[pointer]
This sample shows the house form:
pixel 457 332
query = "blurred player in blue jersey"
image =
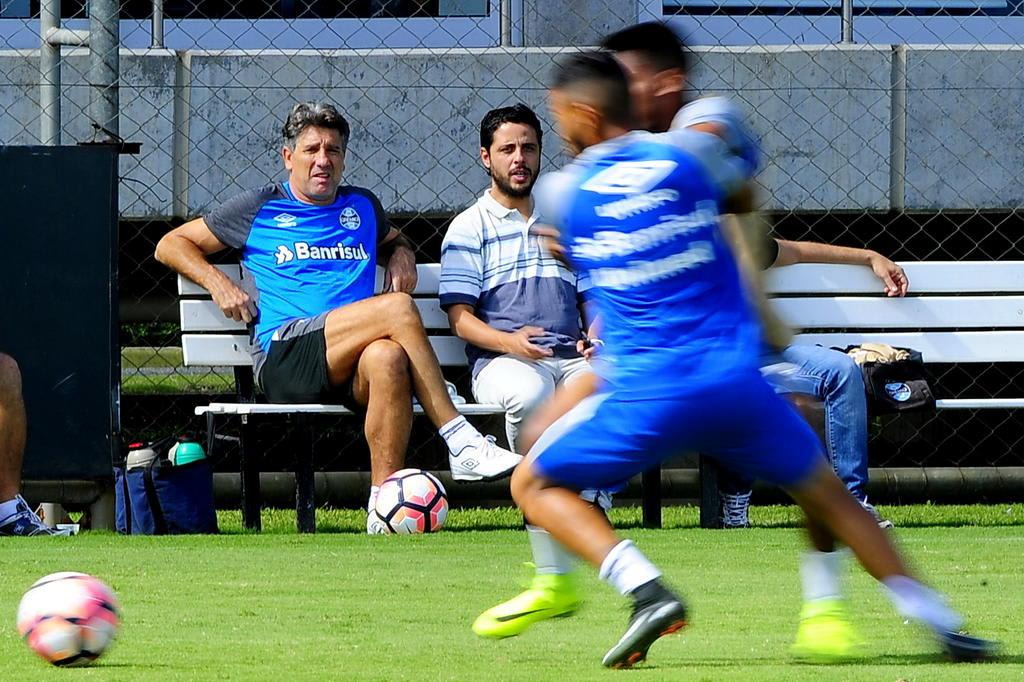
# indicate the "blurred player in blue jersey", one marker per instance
pixel 657 63
pixel 638 213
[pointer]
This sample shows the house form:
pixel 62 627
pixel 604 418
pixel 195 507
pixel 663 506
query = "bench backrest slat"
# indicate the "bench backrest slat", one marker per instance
pixel 924 312
pixel 921 312
pixel 930 277
pixel 813 297
pixel 187 287
pixel 926 277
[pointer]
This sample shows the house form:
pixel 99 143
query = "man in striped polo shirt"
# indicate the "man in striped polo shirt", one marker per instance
pixel 519 310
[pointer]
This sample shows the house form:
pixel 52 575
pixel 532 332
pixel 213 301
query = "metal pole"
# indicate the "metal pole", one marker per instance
pixel 847 21
pixel 506 23
pixel 49 74
pixel 105 38
pixel 517 18
pixel 158 24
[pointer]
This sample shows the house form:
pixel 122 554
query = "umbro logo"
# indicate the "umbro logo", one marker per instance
pixel 284 255
pixel 285 219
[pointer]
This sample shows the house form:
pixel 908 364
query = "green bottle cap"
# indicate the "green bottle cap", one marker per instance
pixel 186 453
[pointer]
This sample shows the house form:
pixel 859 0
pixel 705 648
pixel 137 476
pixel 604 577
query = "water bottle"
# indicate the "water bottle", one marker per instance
pixel 140 455
pixel 185 451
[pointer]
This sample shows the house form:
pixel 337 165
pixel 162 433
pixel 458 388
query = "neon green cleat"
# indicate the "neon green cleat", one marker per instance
pixel 825 634
pixel 548 596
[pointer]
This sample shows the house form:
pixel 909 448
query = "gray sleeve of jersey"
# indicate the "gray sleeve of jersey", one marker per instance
pixel 733 128
pixel 380 217
pixel 727 171
pixel 707 110
pixel 231 222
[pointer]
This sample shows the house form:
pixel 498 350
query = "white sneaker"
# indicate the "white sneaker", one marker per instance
pixel 482 460
pixel 24 522
pixel 375 525
pixel 884 524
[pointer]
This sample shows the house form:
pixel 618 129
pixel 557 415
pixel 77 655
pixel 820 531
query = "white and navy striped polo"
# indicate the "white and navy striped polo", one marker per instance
pixel 490 261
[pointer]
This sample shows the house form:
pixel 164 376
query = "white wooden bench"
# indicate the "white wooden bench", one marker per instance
pixel 211 339
pixel 955 312
pixel 960 312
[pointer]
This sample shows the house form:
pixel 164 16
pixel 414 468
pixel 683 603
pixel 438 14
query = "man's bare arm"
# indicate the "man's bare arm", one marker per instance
pixel 891 274
pixel 396 255
pixel 470 328
pixel 184 250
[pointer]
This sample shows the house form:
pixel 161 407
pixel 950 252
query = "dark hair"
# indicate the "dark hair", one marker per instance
pixel 662 46
pixel 605 80
pixel 517 113
pixel 317 114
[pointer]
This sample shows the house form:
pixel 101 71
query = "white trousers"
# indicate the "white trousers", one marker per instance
pixel 520 385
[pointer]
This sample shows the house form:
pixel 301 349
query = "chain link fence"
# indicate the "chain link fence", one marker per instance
pixel 894 125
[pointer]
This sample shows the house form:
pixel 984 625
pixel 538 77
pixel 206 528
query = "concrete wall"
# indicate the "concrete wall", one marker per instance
pixel 574 22
pixel 965 127
pixel 823 117
pixel 147 116
pixel 843 128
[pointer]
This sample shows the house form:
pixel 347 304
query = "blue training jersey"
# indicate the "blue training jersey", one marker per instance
pixel 299 260
pixel 638 214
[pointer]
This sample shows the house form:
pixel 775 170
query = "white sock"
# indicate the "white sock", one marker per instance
pixel 820 575
pixel 914 600
pixel 549 555
pixel 374 489
pixel 458 434
pixel 8 508
pixel 626 568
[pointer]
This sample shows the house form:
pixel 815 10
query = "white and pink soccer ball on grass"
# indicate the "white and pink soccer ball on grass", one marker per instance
pixel 69 619
pixel 412 501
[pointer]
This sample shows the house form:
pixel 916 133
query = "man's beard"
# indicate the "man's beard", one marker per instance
pixel 506 188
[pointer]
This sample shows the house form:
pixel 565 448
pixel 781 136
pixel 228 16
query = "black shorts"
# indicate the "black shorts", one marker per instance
pixel 295 371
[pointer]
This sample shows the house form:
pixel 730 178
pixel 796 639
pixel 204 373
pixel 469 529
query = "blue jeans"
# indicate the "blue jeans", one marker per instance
pixel 835 379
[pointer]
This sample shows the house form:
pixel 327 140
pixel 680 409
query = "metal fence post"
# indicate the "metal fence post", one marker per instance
pixel 49 74
pixel 847 21
pixel 105 31
pixel 511 19
pixel 506 23
pixel 51 37
pixel 157 38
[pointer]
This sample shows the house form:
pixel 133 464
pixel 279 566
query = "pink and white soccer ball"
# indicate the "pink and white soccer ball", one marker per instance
pixel 412 501
pixel 68 618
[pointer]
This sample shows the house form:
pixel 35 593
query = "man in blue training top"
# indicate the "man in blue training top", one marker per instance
pixel 638 213
pixel 309 248
pixel 657 63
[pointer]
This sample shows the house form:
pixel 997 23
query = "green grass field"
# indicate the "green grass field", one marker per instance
pixel 339 605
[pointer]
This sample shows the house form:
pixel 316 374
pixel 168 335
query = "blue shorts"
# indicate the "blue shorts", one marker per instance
pixel 604 441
